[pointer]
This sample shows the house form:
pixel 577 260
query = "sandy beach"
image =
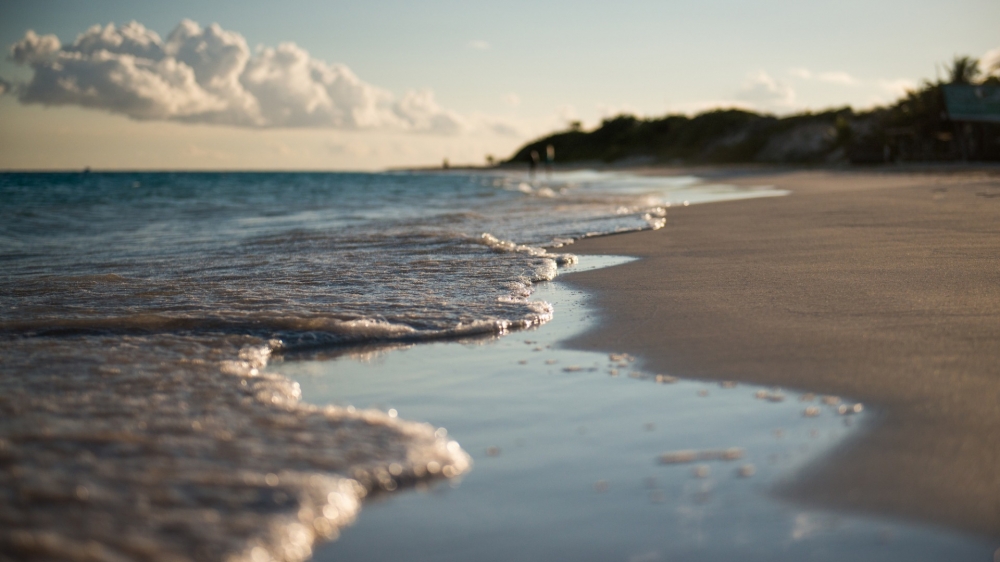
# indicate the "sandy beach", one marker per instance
pixel 880 286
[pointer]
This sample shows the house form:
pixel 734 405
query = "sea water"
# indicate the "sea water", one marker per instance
pixel 592 456
pixel 139 312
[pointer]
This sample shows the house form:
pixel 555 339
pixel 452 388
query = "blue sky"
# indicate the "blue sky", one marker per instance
pixel 496 73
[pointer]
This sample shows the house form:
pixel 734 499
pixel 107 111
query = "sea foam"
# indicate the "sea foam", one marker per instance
pixel 138 311
pixel 126 451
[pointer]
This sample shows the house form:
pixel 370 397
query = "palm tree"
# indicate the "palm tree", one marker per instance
pixel 964 70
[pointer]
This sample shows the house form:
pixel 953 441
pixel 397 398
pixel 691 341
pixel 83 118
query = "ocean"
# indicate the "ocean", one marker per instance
pixel 139 310
pixel 311 259
pixel 146 318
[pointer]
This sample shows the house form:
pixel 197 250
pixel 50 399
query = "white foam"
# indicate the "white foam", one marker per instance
pixel 508 246
pixel 202 454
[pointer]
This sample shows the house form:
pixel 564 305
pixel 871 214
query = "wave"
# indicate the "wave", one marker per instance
pixel 296 328
pixel 147 458
pixel 292 333
pixel 137 419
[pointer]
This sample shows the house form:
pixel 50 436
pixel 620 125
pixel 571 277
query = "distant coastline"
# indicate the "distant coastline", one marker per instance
pixel 923 126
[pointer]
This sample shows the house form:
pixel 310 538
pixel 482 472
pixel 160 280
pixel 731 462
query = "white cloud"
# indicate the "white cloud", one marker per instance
pixel 504 128
pixel 562 118
pixel 834 77
pixel 479 44
pixel 885 92
pixel 567 113
pixel 420 112
pixel 209 75
pixel 877 91
pixel 897 88
pixel 34 48
pixel 837 78
pixel 764 92
pixel 989 63
pixel 513 99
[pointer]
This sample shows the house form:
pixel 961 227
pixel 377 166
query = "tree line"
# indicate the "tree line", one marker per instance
pixel 915 128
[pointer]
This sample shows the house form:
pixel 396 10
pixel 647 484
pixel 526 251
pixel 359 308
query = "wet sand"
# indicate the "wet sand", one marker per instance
pixel 880 286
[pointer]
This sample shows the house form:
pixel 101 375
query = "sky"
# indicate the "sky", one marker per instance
pixel 381 84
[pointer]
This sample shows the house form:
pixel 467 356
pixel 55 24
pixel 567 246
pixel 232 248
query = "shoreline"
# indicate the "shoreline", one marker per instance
pixel 877 285
pixel 586 479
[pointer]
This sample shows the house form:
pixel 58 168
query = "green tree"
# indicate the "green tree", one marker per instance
pixel 964 70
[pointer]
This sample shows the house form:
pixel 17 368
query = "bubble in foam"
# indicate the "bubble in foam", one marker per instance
pixel 180 450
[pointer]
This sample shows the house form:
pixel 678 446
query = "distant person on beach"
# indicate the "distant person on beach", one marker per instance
pixel 550 157
pixel 533 164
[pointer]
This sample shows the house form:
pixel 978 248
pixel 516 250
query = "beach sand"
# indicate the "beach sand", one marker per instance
pixel 880 286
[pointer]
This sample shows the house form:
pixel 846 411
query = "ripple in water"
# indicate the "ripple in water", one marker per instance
pixel 137 312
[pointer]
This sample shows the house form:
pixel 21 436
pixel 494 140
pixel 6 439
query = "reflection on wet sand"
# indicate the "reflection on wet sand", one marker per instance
pixel 574 462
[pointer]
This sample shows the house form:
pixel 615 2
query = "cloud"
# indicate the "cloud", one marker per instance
pixel 34 48
pixel 897 88
pixel 479 44
pixel 503 128
pixel 763 91
pixel 835 77
pixel 879 91
pixel 567 113
pixel 209 75
pixel 420 112
pixel 989 63
pixel 513 99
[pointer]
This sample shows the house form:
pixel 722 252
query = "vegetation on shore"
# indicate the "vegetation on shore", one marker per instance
pixel 914 128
